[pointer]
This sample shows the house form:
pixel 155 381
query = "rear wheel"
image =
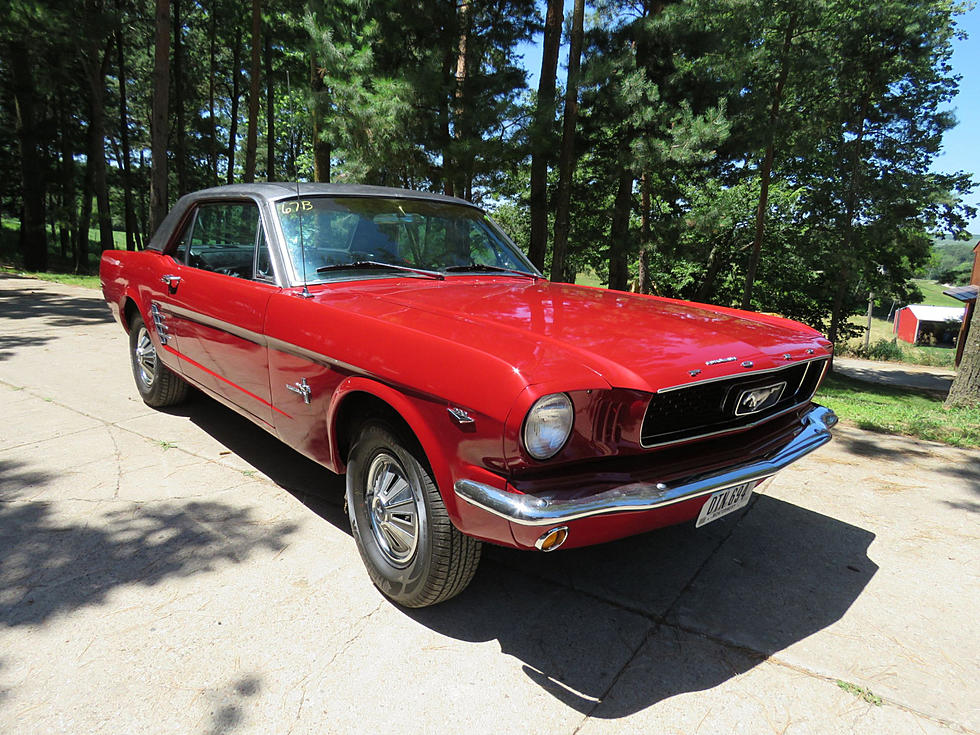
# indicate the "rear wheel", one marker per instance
pixel 157 384
pixel 412 551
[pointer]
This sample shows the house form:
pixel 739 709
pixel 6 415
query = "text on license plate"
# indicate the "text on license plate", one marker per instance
pixel 723 502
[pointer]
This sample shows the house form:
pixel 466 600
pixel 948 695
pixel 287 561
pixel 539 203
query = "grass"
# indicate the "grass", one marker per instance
pixel 588 278
pixel 69 278
pixel 932 294
pixel 62 266
pixel 860 692
pixel 903 411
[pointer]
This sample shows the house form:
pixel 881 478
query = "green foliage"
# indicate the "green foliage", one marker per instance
pixel 693 101
pixel 951 261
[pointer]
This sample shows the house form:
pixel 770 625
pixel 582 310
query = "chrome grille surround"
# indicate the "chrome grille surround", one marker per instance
pixel 705 408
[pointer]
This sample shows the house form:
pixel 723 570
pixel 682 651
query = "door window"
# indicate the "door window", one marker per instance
pixel 227 237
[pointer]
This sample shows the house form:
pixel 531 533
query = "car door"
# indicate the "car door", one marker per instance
pixel 217 300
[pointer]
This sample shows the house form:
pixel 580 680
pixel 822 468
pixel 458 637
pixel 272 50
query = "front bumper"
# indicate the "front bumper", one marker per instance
pixel 538 510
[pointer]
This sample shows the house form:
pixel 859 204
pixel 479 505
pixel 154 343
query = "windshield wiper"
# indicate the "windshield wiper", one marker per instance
pixel 482 268
pixel 378 264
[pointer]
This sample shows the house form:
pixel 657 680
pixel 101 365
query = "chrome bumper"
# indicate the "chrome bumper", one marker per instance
pixel 531 510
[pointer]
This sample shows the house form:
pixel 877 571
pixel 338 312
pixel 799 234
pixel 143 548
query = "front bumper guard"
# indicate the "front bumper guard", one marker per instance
pixel 533 510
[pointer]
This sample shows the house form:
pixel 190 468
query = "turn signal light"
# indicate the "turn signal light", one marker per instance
pixel 552 539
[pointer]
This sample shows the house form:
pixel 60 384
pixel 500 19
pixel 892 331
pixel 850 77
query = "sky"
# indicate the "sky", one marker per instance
pixel 961 145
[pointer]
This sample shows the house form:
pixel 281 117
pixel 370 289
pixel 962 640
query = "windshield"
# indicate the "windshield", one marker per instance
pixel 361 231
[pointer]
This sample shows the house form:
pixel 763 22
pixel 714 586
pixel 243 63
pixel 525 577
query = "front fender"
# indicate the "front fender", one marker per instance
pixel 411 413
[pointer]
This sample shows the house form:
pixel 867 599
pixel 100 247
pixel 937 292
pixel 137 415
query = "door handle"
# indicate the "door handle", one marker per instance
pixel 171 281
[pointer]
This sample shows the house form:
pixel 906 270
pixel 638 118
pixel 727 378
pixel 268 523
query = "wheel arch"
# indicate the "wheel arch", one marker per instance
pixel 359 399
pixel 129 308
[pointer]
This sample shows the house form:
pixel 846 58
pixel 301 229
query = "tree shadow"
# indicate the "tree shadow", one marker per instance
pixel 56 309
pixel 319 489
pixel 50 566
pixel 577 616
pixel 227 713
pixel 9 344
pixel 864 445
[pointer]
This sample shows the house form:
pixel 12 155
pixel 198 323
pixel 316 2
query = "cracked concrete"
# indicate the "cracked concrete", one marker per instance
pixel 183 572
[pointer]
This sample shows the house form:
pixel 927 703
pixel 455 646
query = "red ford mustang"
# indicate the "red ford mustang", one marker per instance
pixel 403 339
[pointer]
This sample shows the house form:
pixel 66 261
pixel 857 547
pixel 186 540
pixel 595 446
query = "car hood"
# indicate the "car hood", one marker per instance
pixel 545 330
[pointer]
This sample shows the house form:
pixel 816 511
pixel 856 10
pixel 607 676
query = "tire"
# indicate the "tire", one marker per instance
pixel 414 554
pixel 157 384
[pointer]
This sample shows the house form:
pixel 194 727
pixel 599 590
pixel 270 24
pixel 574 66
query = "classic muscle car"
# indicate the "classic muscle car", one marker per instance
pixel 403 339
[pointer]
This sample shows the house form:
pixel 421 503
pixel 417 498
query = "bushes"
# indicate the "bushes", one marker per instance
pixel 890 350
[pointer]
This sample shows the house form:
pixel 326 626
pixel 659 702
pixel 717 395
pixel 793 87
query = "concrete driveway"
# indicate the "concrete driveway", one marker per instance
pixel 182 572
pixel 897 374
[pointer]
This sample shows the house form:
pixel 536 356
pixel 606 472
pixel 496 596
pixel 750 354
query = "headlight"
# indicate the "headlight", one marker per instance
pixel 548 425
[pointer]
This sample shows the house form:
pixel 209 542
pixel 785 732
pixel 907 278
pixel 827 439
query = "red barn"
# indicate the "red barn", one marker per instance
pixel 913 323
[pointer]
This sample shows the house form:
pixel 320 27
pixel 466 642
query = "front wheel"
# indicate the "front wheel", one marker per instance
pixel 412 551
pixel 157 384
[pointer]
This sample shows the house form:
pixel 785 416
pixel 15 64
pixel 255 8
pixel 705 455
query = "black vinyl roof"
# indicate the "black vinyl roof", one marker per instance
pixel 277 191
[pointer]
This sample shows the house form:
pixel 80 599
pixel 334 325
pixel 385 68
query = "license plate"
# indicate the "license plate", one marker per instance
pixel 723 502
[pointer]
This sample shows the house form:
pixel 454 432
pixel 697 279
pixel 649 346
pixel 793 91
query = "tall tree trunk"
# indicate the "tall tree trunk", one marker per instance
pixel 712 269
pixel 33 243
pixel 80 256
pixel 69 230
pixel 236 93
pixel 127 180
pixel 270 113
pixel 643 267
pixel 619 232
pixel 96 65
pixel 144 209
pixel 180 142
pixel 212 72
pixel 542 133
pixel 766 171
pixel 566 158
pixel 844 272
pixel 159 196
pixel 464 14
pixel 321 148
pixel 251 142
pixel 448 175
pixel 965 390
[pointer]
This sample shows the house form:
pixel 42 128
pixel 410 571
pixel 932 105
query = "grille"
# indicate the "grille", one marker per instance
pixel 708 408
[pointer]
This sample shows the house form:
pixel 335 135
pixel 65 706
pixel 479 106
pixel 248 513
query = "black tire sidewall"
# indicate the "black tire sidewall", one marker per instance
pixel 148 393
pixel 408 584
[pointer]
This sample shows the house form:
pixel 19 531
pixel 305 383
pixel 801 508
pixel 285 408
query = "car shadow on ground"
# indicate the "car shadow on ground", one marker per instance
pixel 691 608
pixel 316 487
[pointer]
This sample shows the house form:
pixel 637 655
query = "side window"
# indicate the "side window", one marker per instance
pixel 180 254
pixel 223 238
pixel 263 259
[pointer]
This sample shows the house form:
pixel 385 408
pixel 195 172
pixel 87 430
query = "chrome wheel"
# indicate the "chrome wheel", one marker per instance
pixel 393 509
pixel 146 357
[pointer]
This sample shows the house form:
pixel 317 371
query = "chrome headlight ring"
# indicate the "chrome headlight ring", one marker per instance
pixel 548 425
